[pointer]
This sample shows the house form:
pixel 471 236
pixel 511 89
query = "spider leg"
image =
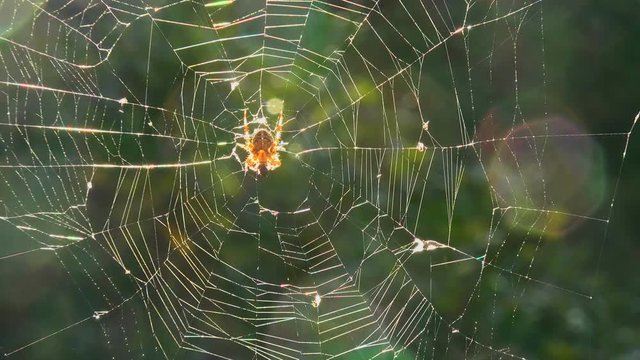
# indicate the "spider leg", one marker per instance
pixel 247 137
pixel 251 163
pixel 278 135
pixel 248 147
pixel 256 167
pixel 274 162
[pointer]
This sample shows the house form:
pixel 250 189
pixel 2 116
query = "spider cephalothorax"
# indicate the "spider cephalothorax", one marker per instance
pixel 262 147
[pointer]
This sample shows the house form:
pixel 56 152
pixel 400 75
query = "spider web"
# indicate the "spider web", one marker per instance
pixel 422 179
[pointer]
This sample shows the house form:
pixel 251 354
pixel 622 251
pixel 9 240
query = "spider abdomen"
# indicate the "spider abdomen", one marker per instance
pixel 262 140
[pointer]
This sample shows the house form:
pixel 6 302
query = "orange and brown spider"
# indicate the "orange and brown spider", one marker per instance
pixel 262 147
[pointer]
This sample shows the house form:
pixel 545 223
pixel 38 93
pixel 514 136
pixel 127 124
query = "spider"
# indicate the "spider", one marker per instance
pixel 262 147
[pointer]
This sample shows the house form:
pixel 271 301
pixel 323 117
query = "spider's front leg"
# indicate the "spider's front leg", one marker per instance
pixel 247 136
pixel 278 135
pixel 250 161
pixel 247 145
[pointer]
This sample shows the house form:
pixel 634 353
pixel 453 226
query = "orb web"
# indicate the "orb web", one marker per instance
pixel 422 179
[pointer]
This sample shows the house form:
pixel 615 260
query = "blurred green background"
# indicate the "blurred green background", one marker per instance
pixel 586 305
